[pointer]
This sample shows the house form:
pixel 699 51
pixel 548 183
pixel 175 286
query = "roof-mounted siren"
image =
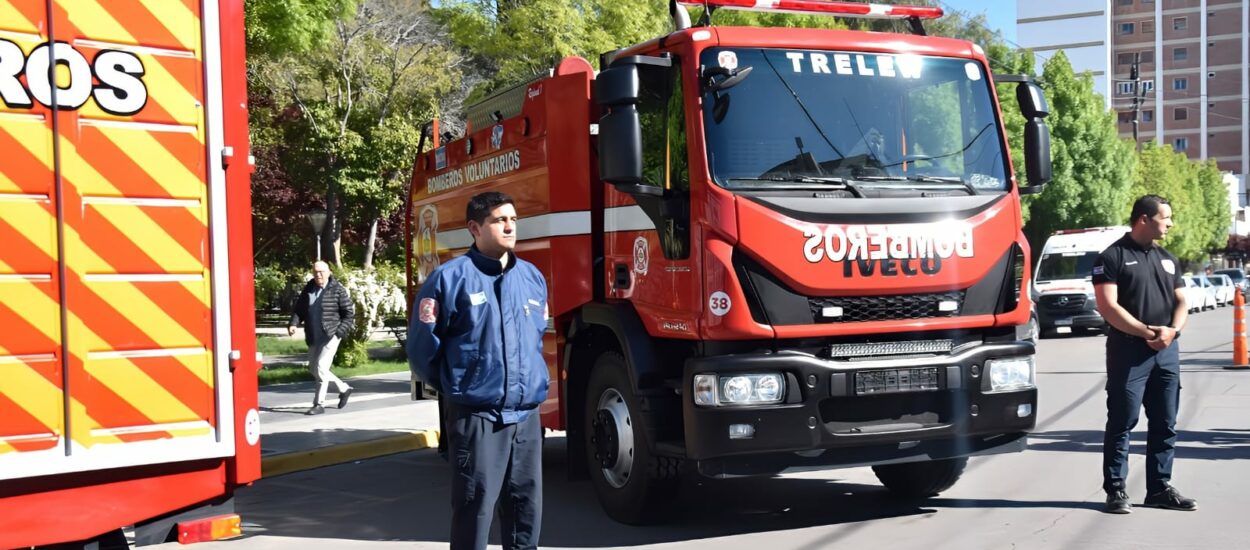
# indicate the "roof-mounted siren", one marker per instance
pixel 913 14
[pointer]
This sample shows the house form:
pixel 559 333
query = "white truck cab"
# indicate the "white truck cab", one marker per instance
pixel 1063 292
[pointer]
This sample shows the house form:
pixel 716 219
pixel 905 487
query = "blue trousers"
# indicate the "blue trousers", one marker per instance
pixel 1137 376
pixel 494 464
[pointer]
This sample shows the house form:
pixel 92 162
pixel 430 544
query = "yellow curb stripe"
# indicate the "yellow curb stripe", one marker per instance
pixel 299 461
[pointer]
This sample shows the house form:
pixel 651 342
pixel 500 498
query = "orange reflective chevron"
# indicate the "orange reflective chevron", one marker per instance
pixel 106 298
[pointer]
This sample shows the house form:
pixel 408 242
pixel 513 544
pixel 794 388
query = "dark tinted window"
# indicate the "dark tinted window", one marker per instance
pixel 1054 267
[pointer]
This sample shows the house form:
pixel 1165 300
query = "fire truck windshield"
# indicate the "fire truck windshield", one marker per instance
pixel 804 118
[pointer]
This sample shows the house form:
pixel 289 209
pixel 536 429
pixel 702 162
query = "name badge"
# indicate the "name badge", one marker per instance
pixel 477 298
pixel 1168 266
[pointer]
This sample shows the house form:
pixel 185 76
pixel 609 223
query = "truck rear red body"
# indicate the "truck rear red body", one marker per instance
pixel 127 353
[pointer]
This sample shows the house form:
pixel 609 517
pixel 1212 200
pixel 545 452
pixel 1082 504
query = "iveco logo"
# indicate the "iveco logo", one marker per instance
pixel 1062 301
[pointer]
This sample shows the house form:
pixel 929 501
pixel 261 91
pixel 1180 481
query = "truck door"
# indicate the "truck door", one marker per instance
pixel 111 280
pixel 649 235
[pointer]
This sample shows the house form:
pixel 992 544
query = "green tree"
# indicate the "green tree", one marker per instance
pixel 345 112
pixel 1167 173
pixel 292 27
pixel 1093 167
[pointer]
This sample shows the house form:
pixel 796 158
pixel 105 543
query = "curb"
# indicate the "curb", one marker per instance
pixel 299 461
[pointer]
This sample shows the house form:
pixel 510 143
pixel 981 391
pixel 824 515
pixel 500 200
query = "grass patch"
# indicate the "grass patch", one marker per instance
pixel 281 345
pixel 278 374
pixel 288 345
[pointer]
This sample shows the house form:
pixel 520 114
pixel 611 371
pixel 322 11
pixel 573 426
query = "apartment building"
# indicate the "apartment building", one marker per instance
pixel 1194 67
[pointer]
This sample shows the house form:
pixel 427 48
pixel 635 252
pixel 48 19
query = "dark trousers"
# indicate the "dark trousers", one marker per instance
pixel 1137 376
pixel 494 463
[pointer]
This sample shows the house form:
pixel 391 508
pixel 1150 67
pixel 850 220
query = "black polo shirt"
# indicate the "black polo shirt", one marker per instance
pixel 1146 280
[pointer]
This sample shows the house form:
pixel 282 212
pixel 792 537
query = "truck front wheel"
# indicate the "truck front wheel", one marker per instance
pixel 920 479
pixel 634 486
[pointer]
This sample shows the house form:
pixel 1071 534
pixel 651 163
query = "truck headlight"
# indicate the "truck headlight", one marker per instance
pixel 1014 374
pixel 711 390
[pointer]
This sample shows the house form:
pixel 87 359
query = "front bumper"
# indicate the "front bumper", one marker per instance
pixel 825 423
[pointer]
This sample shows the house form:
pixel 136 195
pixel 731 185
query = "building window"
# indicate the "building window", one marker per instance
pixel 1180 23
pixel 1147 116
pixel 1147 56
pixel 1180 54
pixel 1180 144
pixel 1126 28
pixel 1126 117
pixel 1148 85
pixel 1180 84
pixel 1181 113
pixel 1124 88
pixel 1126 2
pixel 1148 27
pixel 1124 59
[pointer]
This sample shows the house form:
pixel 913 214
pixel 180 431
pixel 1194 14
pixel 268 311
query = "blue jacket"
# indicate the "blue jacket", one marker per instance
pixel 476 333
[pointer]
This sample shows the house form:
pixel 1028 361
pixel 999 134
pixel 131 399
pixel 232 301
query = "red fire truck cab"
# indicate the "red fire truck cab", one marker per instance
pixel 767 249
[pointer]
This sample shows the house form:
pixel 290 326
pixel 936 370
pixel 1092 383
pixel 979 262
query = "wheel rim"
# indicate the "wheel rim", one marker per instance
pixel 613 438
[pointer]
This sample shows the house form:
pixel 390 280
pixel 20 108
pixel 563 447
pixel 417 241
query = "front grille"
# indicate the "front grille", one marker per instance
pixel 1062 302
pixel 886 308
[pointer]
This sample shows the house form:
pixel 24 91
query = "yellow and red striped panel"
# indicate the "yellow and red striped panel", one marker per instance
pixel 134 227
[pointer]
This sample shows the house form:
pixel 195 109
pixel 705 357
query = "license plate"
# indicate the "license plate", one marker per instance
pixel 896 381
pixel 1063 322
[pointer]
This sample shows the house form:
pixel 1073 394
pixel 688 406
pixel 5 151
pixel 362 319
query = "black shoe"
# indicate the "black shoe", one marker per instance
pixel 1117 503
pixel 343 397
pixel 316 409
pixel 1170 499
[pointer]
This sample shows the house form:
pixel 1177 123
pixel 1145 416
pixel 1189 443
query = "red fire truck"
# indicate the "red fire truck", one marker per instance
pixel 767 249
pixel 127 333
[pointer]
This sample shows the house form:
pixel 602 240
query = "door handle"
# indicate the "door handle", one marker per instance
pixel 621 279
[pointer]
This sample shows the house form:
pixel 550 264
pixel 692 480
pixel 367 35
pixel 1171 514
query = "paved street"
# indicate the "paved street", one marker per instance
pixel 1047 497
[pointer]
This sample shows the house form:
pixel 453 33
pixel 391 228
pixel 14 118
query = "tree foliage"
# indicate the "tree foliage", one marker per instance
pixel 1200 206
pixel 1092 166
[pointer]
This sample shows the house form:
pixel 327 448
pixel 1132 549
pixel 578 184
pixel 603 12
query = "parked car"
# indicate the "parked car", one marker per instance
pixel 1223 289
pixel 1196 295
pixel 1238 276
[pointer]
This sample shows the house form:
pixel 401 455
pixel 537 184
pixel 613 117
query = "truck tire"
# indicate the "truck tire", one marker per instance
pixel 634 487
pixel 920 479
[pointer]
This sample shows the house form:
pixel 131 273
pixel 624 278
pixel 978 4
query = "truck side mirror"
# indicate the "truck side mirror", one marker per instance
pixel 1036 137
pixel 617 90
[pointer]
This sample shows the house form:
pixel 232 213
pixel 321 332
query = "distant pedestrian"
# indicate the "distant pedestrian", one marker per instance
pixel 476 334
pixel 1139 291
pixel 328 313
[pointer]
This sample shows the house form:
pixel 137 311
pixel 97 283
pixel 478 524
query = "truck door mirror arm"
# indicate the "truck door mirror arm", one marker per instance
pixel 1033 106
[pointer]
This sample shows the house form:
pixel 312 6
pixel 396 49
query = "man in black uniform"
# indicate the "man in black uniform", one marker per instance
pixel 1137 286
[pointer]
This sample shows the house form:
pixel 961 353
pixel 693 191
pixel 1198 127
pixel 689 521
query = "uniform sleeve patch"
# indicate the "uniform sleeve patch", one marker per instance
pixel 427 310
pixel 1098 270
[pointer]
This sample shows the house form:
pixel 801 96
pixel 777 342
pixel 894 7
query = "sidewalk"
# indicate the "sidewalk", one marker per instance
pixel 380 419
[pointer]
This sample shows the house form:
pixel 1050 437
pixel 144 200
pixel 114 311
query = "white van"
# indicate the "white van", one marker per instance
pixel 1062 289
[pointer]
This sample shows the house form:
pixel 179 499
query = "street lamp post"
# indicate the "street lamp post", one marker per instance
pixel 317 218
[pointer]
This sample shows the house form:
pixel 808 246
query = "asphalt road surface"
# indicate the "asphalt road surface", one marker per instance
pixel 1047 497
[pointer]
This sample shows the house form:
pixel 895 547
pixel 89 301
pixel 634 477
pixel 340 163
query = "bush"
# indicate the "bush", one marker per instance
pixel 378 295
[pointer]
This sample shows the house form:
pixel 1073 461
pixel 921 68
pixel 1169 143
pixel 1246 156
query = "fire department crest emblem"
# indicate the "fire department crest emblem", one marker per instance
pixel 496 136
pixel 641 255
pixel 425 247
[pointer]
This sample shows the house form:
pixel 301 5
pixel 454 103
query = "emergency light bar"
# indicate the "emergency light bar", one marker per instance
pixel 820 7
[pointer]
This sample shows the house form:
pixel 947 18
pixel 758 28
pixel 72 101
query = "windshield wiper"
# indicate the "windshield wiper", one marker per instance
pixel 945 181
pixel 823 180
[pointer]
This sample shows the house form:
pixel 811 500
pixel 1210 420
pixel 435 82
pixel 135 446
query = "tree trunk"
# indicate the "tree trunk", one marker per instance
pixel 330 233
pixel 371 243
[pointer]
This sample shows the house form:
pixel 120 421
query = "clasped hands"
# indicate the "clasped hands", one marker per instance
pixel 1162 338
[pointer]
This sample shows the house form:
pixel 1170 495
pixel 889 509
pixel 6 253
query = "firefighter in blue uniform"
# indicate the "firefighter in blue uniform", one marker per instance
pixel 476 334
pixel 1137 285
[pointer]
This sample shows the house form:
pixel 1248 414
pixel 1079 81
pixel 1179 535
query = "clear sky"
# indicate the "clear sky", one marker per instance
pixel 1000 13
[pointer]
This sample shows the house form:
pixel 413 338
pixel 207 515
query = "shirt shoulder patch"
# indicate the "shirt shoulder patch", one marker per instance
pixel 1168 266
pixel 1098 270
pixel 427 310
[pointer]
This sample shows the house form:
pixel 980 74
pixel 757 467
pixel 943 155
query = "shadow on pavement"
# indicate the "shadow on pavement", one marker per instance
pixel 1223 444
pixel 405 497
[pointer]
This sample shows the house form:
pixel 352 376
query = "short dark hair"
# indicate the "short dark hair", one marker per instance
pixel 1147 205
pixel 481 205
